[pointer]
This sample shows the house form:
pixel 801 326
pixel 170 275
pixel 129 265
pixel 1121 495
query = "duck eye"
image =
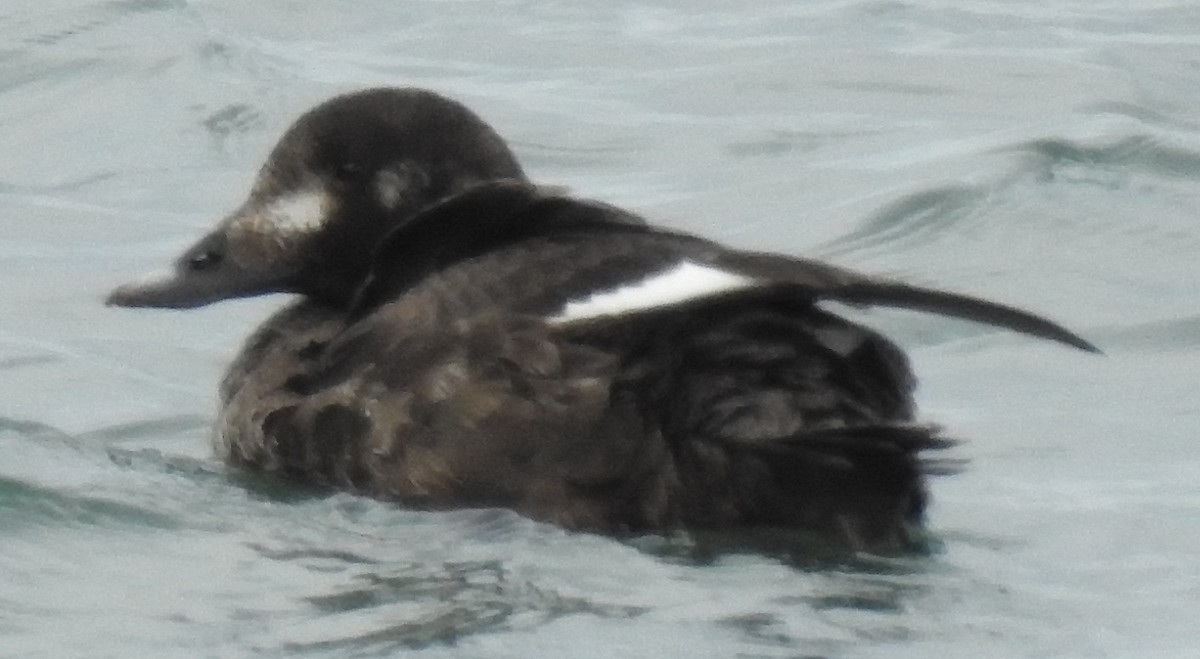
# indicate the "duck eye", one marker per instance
pixel 349 171
pixel 205 260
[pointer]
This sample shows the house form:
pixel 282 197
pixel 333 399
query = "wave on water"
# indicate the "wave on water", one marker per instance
pixel 89 479
pixel 927 216
pixel 443 603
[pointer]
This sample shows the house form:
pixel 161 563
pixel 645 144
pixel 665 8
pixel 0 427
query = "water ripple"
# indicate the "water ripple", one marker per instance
pixel 1136 153
pixel 915 219
pixel 23 503
pixel 444 603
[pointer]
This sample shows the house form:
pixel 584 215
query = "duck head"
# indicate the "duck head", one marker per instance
pixel 344 175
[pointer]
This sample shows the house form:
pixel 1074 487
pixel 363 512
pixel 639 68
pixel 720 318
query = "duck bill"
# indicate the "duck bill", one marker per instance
pixel 166 290
pixel 202 275
pixel 231 262
pixel 258 249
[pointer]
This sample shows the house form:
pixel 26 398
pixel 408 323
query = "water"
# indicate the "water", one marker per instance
pixel 1040 153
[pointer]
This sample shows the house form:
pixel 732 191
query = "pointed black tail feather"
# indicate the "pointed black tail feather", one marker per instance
pixel 831 446
pixel 942 466
pixel 903 436
pixel 837 447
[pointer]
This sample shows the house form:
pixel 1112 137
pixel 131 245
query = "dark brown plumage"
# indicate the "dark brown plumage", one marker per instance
pixel 467 339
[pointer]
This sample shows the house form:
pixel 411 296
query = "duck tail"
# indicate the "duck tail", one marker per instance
pixel 863 484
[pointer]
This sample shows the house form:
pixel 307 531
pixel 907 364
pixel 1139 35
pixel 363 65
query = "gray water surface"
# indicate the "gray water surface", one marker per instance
pixel 1045 154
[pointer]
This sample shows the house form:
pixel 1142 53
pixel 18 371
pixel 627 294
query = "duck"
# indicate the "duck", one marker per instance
pixel 462 337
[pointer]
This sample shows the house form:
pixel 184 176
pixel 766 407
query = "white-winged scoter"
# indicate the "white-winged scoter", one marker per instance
pixel 464 338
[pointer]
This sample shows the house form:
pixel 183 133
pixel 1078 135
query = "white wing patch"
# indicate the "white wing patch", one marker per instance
pixel 299 212
pixel 685 281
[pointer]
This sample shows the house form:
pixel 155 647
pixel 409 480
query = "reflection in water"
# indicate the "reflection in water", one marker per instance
pixel 379 605
pixel 421 604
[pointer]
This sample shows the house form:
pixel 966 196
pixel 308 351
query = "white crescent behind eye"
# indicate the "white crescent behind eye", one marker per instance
pixel 390 187
pixel 303 211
